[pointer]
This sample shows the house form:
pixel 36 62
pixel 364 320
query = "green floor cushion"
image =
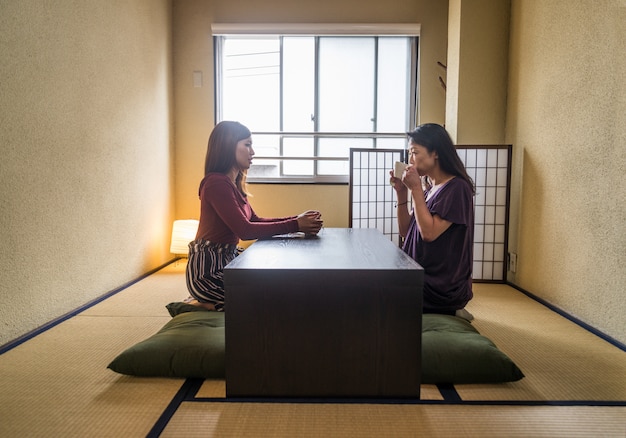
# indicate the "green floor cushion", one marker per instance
pixel 192 345
pixel 454 352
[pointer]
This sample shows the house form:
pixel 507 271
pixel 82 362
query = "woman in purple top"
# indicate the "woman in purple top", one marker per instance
pixel 226 216
pixel 439 231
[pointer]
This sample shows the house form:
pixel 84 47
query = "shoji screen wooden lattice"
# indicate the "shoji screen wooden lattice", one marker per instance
pixel 372 200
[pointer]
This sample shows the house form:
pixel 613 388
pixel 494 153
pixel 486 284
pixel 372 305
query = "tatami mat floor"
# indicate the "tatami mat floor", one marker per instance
pixel 57 384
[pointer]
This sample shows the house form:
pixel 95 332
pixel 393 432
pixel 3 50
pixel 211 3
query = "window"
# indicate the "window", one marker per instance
pixel 309 99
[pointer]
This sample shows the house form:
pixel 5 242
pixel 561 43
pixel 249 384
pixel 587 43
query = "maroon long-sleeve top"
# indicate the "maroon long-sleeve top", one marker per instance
pixel 226 216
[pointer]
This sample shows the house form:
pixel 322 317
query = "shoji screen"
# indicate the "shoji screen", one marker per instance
pixel 489 167
pixel 372 200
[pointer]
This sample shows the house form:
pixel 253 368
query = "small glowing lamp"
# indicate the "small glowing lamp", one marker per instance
pixel 183 232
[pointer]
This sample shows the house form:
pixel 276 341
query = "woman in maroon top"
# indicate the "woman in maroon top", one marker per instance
pixel 226 215
pixel 439 231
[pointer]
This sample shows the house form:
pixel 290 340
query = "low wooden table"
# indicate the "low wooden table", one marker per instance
pixel 336 315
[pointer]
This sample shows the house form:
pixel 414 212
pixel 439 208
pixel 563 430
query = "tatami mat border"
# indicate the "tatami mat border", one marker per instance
pixel 25 337
pixel 569 317
pixel 190 388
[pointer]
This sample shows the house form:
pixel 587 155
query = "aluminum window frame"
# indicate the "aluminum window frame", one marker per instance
pixel 316 135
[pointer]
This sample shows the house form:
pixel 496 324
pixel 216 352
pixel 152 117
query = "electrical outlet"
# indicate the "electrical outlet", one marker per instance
pixel 512 262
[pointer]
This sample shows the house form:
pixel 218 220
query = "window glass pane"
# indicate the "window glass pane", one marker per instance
pixel 251 82
pixel 265 146
pixel 346 84
pixel 338 147
pixel 391 143
pixel 394 68
pixel 298 147
pixel 298 84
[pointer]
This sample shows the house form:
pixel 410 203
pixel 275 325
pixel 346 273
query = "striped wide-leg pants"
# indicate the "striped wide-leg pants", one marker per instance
pixel 205 271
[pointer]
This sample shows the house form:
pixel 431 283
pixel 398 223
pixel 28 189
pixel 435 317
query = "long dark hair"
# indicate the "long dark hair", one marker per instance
pixel 220 154
pixel 435 138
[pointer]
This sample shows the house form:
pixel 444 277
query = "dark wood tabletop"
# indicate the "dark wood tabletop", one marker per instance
pixel 332 248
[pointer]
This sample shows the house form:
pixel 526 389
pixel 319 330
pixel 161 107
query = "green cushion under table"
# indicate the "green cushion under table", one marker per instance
pixel 192 345
pixel 453 351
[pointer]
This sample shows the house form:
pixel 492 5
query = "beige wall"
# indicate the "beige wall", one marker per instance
pixel 194 106
pixel 566 121
pixel 85 131
pixel 478 39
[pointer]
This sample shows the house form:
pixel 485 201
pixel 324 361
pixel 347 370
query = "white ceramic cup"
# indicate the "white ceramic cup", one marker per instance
pixel 399 168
